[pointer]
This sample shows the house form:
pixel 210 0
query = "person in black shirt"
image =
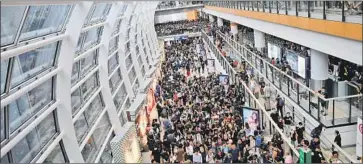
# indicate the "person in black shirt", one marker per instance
pixel 300 132
pixel 280 103
pixel 287 123
pixel 156 154
pixel 337 139
pixel 275 116
pixel 317 156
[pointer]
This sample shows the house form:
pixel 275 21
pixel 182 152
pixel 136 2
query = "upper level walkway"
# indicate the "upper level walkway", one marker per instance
pixel 336 38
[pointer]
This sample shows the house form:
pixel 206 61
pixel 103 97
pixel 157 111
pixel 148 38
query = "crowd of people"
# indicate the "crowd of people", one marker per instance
pixel 284 120
pixel 172 4
pixel 180 27
pixel 200 118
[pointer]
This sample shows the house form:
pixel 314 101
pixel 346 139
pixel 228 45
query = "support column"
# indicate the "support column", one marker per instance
pixel 219 22
pixel 211 18
pixel 259 39
pixel 234 28
pixel 319 65
pixel 63 81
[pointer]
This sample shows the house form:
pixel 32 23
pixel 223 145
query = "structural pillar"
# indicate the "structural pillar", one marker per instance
pixel 211 18
pixel 259 39
pixel 319 68
pixel 234 30
pixel 219 22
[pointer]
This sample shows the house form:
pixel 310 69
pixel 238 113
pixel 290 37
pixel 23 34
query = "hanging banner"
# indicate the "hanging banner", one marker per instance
pixel 150 100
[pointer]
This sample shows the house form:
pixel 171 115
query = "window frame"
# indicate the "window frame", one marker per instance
pixel 17 43
pixel 46 145
pixel 8 90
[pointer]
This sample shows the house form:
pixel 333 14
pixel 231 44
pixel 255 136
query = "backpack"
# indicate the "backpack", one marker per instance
pixel 281 102
pixel 258 141
pixel 315 133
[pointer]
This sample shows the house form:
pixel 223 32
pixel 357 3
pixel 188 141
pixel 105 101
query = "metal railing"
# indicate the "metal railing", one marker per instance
pixel 253 102
pixel 252 98
pixel 178 4
pixel 311 101
pixel 344 11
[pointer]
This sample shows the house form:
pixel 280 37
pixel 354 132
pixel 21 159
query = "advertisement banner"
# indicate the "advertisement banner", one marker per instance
pixel 301 67
pixel 150 100
pixel 292 59
pixel 223 79
pixel 251 116
pixel 273 51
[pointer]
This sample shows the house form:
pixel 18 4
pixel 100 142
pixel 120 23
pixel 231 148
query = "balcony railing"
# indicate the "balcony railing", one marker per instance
pixel 344 11
pixel 253 102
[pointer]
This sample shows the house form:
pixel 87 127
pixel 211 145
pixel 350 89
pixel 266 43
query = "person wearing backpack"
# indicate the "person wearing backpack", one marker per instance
pixel 280 103
pixel 317 131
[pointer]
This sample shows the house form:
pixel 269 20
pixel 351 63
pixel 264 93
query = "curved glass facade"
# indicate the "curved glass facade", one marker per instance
pixel 68 71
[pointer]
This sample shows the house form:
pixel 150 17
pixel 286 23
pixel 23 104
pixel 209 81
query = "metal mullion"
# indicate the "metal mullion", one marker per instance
pixel 9 76
pixel 90 14
pixel 309 13
pixel 7 124
pixel 343 13
pixel 67 18
pixel 10 156
pixel 17 38
pixel 63 150
pixel 56 123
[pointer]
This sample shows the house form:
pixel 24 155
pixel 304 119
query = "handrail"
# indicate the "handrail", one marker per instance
pixel 326 140
pixel 268 63
pixel 261 107
pixel 291 78
pixel 335 145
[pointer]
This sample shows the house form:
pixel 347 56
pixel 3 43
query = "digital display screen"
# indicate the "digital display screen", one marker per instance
pixel 273 51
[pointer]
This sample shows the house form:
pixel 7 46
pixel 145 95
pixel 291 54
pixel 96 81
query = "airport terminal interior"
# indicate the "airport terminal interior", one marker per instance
pixel 181 81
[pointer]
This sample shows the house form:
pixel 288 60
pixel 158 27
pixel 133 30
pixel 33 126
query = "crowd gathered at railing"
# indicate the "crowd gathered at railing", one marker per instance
pixel 173 4
pixel 297 134
pixel 180 27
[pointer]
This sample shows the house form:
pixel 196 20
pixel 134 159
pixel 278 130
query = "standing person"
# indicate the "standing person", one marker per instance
pixel 337 139
pixel 287 123
pixel 180 154
pixel 198 65
pixel 210 157
pixel 324 104
pixel 280 103
pixel 235 154
pixel 156 154
pixel 300 132
pixel 334 158
pixel 288 158
pixel 197 157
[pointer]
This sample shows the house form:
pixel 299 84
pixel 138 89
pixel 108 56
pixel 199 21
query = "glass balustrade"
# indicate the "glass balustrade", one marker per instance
pixel 344 11
pixel 330 112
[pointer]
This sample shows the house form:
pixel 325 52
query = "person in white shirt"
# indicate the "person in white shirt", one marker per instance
pixel 197 157
pixel 190 150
